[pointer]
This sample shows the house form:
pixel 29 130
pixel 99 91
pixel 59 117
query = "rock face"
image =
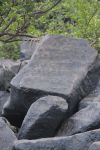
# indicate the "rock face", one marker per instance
pixel 97 89
pixel 80 141
pixel 7 137
pixel 43 118
pixel 3 98
pixel 27 48
pixel 8 70
pixel 84 120
pixel 95 146
pixel 60 66
pixel 89 100
pixel 2 81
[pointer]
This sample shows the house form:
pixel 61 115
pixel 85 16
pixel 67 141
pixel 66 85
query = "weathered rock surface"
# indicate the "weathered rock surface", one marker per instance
pixel 3 98
pixel 84 120
pixel 80 141
pixel 97 89
pixel 8 69
pixel 43 118
pixel 89 100
pixel 27 48
pixel 2 81
pixel 7 136
pixel 95 146
pixel 61 66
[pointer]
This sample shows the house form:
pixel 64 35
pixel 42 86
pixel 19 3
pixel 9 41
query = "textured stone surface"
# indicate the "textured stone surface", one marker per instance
pixel 8 70
pixel 84 120
pixel 28 46
pixel 2 82
pixel 43 118
pixel 97 89
pixel 61 66
pixel 95 146
pixel 88 100
pixel 7 136
pixel 3 98
pixel 80 141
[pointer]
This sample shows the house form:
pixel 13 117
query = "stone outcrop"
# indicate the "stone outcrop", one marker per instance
pixel 95 146
pixel 7 136
pixel 80 141
pixel 84 120
pixel 3 98
pixel 43 118
pixel 60 66
pixel 54 99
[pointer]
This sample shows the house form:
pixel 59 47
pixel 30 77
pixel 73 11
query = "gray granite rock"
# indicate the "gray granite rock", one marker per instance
pixel 2 81
pixel 88 100
pixel 80 141
pixel 61 66
pixel 97 89
pixel 3 98
pixel 84 120
pixel 43 118
pixel 7 136
pixel 95 146
pixel 8 69
pixel 28 46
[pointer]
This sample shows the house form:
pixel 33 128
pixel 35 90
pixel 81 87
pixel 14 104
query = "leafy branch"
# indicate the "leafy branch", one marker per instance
pixel 10 35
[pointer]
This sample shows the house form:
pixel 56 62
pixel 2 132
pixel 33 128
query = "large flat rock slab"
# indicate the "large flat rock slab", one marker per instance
pixel 43 118
pixel 7 136
pixel 84 120
pixel 61 66
pixel 80 141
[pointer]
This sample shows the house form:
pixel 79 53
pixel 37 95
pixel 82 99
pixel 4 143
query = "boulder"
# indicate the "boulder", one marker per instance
pixel 60 66
pixel 97 89
pixel 80 141
pixel 7 136
pixel 88 100
pixel 95 146
pixel 2 81
pixel 8 70
pixel 28 46
pixel 84 120
pixel 3 98
pixel 43 118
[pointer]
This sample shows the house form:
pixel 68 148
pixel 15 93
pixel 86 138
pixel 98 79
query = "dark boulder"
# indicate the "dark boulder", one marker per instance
pixel 60 66
pixel 3 98
pixel 80 141
pixel 84 120
pixel 43 118
pixel 2 81
pixel 7 136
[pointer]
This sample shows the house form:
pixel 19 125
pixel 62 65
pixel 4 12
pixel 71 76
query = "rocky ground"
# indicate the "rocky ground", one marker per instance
pixel 53 102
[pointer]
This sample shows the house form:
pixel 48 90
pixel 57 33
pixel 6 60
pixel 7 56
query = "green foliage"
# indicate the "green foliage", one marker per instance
pixel 10 50
pixel 76 18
